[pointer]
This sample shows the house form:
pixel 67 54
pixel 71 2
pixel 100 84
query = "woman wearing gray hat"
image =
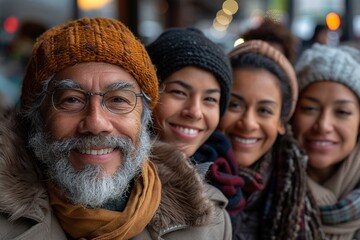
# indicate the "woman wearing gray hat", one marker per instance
pixel 326 124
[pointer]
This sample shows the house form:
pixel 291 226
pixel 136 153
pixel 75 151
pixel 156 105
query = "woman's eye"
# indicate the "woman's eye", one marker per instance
pixel 308 109
pixel 265 111
pixel 176 92
pixel 211 99
pixel 235 106
pixel 343 113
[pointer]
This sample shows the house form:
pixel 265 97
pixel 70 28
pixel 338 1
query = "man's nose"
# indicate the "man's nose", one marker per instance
pixel 95 119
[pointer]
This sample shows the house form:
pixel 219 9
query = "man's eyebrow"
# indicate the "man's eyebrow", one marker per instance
pixel 120 85
pixel 66 83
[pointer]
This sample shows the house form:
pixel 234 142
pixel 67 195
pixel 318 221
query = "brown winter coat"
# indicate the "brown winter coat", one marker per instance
pixel 185 211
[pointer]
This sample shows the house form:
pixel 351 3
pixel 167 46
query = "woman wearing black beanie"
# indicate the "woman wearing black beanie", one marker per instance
pixel 194 80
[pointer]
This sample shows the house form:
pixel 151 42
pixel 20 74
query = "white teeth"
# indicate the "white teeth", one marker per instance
pixel 188 131
pixel 322 144
pixel 97 151
pixel 246 141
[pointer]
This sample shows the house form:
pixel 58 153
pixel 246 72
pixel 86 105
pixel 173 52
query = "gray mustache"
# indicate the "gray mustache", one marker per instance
pixel 63 147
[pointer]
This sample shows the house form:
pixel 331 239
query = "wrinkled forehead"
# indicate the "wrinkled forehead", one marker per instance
pixel 95 76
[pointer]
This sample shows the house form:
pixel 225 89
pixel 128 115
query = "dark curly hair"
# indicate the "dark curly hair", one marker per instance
pixel 275 32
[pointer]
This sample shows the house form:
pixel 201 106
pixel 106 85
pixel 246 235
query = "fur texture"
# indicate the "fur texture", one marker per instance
pixel 183 200
pixel 20 180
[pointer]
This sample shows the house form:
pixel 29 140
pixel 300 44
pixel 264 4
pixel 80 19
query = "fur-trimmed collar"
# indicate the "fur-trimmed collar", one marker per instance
pixel 22 191
pixel 183 200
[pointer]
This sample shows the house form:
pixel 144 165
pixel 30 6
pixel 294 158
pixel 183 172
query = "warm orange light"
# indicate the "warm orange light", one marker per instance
pixel 333 21
pixel 92 4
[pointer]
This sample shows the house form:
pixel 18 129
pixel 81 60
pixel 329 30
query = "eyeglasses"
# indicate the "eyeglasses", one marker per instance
pixel 73 100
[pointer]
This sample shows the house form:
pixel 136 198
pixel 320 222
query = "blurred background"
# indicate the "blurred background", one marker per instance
pixel 223 21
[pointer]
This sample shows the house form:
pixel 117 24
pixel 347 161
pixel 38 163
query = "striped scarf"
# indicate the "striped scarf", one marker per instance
pixel 338 198
pixel 223 173
pixel 346 210
pixel 290 211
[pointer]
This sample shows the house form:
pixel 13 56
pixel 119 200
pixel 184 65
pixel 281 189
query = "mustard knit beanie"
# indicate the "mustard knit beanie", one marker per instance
pixel 88 40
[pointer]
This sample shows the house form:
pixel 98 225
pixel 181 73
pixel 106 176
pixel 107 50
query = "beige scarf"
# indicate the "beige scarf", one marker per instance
pixel 337 187
pixel 84 223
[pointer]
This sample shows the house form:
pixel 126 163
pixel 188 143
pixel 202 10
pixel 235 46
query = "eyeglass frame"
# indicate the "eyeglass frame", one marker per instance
pixel 70 84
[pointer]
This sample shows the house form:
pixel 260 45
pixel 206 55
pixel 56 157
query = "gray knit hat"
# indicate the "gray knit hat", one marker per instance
pixel 177 48
pixel 326 63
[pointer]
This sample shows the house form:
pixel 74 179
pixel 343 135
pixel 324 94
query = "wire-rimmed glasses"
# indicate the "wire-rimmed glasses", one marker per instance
pixel 74 100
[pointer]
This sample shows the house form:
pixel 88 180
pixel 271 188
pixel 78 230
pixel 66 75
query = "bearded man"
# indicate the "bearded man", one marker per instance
pixel 77 162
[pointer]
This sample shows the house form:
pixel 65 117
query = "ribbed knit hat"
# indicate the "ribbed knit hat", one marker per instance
pixel 263 48
pixel 88 40
pixel 177 48
pixel 326 63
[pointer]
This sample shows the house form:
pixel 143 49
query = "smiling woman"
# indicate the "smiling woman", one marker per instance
pixel 270 163
pixel 259 106
pixel 195 77
pixel 326 124
pixel 188 111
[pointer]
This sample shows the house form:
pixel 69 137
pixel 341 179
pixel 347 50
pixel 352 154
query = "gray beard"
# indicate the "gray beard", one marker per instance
pixel 91 186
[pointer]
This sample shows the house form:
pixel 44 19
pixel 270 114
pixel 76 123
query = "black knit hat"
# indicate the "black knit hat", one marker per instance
pixel 177 48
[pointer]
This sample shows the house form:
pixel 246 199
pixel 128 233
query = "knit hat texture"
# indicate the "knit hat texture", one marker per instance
pixel 326 63
pixel 88 40
pixel 177 48
pixel 266 50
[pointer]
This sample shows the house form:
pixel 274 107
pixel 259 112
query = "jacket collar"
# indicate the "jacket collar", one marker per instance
pixel 22 192
pixel 183 200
